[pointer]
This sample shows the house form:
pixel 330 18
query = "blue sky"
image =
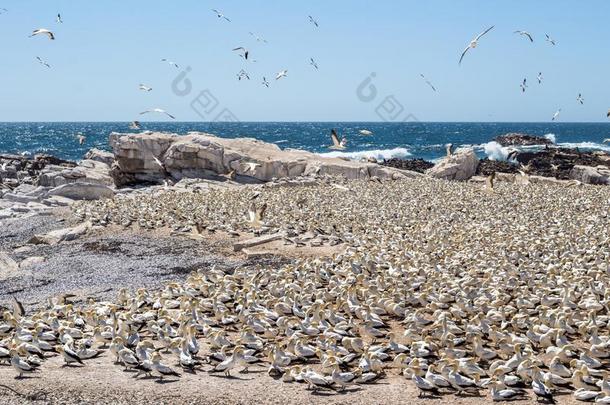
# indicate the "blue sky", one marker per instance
pixel 105 49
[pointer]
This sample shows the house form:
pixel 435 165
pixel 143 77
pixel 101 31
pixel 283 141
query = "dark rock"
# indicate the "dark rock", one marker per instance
pixel 516 139
pixel 559 162
pixel 487 167
pixel 414 165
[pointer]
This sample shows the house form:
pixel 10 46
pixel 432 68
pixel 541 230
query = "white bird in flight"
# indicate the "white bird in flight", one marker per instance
pixel 42 62
pixel 525 34
pixel 524 85
pixel 243 52
pixel 81 138
pixel 337 145
pixel 313 63
pixel 135 125
pixel 144 87
pixel 174 64
pixel 365 132
pixel 243 75
pixel 283 73
pixel 265 82
pixel 158 110
pixel 43 31
pixel 475 42
pixel 556 115
pixel 3 10
pixel 580 99
pixel 550 40
pixel 220 15
pixel 313 21
pixel 59 20
pixel 540 78
pixel 428 82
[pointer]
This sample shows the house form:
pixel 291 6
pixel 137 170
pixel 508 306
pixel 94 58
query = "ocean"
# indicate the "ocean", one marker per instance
pixel 389 140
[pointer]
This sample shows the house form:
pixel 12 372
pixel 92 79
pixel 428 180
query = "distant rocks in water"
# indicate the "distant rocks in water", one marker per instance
pixel 415 165
pixel 517 139
pixel 487 167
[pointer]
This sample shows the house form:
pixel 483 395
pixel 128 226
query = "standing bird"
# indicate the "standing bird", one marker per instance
pixel 337 145
pixel 556 114
pixel 42 62
pixel 43 31
pixel 59 20
pixel 18 309
pixel 550 40
pixel 490 181
pixel 313 21
pixel 283 73
pixel 244 52
pixel 220 15
pixel 174 64
pixel 145 88
pixel 524 85
pixel 265 82
pixel 525 34
pixel 159 111
pixel 580 99
pixel 540 78
pixel 475 42
pixel 313 63
pixel 428 82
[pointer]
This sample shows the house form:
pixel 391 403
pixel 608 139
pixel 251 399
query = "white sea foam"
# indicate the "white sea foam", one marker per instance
pixel 586 145
pixel 281 141
pixel 495 151
pixel 377 154
pixel 551 137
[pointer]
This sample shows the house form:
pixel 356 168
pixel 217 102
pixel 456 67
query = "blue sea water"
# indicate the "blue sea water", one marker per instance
pixel 411 139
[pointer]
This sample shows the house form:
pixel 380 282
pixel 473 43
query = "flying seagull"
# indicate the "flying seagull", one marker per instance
pixel 158 110
pixel 475 42
pixel 42 62
pixel 59 20
pixel 258 39
pixel 550 40
pixel 145 88
pixel 243 75
pixel 337 145
pixel 607 140
pixel 174 64
pixel 428 82
pixel 524 85
pixel 556 115
pixel 244 52
pixel 580 99
pixel 365 132
pixel 43 31
pixel 540 78
pixel 220 15
pixel 81 138
pixel 3 10
pixel 525 34
pixel 283 73
pixel 608 114
pixel 135 125
pixel 313 21
pixel 313 63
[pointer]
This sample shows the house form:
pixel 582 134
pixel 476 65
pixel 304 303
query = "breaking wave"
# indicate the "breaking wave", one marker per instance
pixel 377 154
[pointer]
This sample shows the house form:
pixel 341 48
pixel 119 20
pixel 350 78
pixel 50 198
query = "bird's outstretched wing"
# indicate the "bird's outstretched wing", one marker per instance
pixel 464 54
pixel 484 32
pixel 335 138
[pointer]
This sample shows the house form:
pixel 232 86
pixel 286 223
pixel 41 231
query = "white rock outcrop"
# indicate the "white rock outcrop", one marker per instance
pixel 460 166
pixel 200 155
pixel 599 175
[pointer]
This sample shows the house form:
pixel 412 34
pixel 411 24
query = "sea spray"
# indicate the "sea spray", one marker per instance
pixel 379 154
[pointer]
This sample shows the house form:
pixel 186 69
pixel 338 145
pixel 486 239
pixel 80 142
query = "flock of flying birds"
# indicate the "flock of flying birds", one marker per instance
pixel 528 36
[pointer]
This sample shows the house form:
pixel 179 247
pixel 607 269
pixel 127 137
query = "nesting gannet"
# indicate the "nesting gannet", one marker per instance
pixel 159 111
pixel 523 85
pixel 474 43
pixel 556 115
pixel 281 74
pixel 68 354
pixel 313 21
pixel 20 365
pixel 428 82
pixel 42 62
pixel 43 31
pixel 525 34
pixel 243 52
pixel 580 99
pixel 174 64
pixel 550 40
pixel 144 87
pixel 220 15
pixel 313 63
pixel 161 368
